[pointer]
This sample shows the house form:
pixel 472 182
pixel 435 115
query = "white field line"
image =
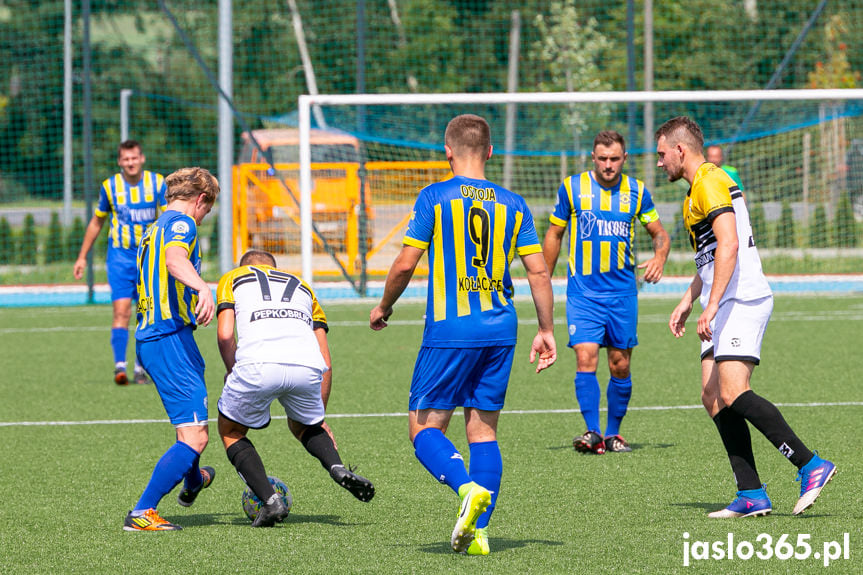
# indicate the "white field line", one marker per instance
pixel 833 315
pixel 403 414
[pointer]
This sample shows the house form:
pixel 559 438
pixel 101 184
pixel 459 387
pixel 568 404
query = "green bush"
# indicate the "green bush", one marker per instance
pixel 759 224
pixel 54 246
pixel 818 228
pixel 7 242
pixel 845 227
pixel 74 237
pixel 28 247
pixel 213 253
pixel 680 237
pixel 785 228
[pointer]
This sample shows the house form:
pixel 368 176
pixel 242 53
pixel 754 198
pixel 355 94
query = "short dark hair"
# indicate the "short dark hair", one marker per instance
pixel 128 145
pixel 468 135
pixel 261 257
pixel 188 183
pixel 609 138
pixel 682 130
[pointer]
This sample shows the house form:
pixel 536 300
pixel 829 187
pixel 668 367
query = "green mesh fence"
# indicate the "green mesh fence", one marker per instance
pixel 804 160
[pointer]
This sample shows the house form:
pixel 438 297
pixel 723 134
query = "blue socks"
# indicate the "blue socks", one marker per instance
pixel 176 463
pixel 440 457
pixel 486 469
pixel 119 340
pixel 618 393
pixel 587 394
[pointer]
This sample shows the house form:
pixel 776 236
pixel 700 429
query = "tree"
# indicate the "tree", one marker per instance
pixel 785 232
pixel 759 224
pixel 54 246
pixel 818 227
pixel 570 48
pixel 28 247
pixel 7 242
pixel 845 227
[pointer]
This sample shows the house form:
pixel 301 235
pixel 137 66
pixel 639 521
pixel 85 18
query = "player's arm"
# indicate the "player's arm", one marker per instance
pixel 551 246
pixel 397 280
pixel 90 235
pixel 178 265
pixel 661 246
pixel 724 228
pixel 225 337
pixel 677 322
pixel 543 299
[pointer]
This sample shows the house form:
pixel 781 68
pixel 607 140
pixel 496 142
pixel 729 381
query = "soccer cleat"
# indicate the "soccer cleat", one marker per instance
pixel 617 444
pixel 186 496
pixel 272 512
pixel 590 442
pixel 474 504
pixel 120 377
pixel 149 521
pixel 479 545
pixel 749 503
pixel 812 481
pixel 141 377
pixel 360 487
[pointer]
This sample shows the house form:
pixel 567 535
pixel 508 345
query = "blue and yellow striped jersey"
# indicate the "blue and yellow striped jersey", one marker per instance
pixel 601 232
pixel 132 208
pixel 164 304
pixel 472 229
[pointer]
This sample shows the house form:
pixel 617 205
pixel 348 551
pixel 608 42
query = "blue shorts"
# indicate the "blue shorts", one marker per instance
pixel 610 322
pixel 446 377
pixel 177 368
pixel 122 267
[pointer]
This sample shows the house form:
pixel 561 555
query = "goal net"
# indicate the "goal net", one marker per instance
pixel 799 155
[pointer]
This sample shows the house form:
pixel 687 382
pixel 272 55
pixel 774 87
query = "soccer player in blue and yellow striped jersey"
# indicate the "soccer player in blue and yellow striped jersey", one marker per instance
pixel 472 229
pixel 132 198
pixel 601 207
pixel 172 300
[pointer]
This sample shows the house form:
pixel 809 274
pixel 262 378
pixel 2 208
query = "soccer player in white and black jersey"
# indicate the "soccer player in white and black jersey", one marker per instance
pixel 280 353
pixel 737 303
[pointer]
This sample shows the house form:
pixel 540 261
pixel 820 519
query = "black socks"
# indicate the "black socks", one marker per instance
pixel 244 457
pixel 319 443
pixel 738 444
pixel 769 421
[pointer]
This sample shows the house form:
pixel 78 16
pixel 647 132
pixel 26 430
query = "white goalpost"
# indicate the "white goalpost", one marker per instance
pixel 775 115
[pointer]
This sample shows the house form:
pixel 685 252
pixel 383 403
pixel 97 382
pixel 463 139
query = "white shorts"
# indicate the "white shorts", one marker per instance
pixel 738 329
pixel 252 387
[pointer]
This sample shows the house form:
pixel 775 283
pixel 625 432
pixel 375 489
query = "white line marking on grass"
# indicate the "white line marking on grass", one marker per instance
pixel 832 315
pixel 404 414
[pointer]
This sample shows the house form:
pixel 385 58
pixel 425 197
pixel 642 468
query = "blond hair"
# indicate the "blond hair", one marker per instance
pixel 189 183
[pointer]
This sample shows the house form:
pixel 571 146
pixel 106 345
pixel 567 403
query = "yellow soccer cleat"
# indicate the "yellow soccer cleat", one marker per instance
pixel 473 504
pixel 479 546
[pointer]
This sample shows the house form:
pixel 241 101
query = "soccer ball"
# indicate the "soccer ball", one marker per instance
pixel 252 505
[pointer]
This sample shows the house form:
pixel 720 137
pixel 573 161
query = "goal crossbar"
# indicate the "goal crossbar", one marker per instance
pixel 307 102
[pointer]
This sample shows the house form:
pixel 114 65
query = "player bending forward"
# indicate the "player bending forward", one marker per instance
pixel 280 352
